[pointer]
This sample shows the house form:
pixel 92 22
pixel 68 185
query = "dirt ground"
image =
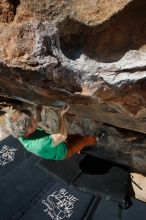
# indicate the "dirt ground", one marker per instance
pixel 3 131
pixel 139 186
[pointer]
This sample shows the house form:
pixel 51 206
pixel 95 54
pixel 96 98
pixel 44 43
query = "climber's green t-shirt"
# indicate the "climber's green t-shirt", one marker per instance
pixel 40 143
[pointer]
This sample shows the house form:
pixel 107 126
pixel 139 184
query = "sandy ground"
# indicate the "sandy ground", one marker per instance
pixel 3 131
pixel 139 181
pixel 139 186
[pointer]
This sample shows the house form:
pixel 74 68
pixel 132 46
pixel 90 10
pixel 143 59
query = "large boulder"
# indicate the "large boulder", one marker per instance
pixel 89 54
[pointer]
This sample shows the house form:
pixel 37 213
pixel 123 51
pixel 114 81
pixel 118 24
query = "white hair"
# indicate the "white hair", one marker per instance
pixel 18 122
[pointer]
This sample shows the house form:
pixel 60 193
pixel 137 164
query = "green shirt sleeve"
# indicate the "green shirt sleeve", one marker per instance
pixel 41 144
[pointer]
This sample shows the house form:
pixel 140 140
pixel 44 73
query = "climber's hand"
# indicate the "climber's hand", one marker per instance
pixel 64 109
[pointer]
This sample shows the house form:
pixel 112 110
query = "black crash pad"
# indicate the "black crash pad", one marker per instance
pixel 64 170
pixel 12 153
pixel 90 174
pixel 20 186
pixel 29 193
pixel 108 210
pixel 60 202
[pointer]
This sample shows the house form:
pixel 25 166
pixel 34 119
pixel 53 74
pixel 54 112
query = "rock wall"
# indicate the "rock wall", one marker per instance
pixel 89 54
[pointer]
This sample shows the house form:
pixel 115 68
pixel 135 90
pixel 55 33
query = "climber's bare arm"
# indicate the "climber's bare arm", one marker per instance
pixel 38 110
pixel 62 134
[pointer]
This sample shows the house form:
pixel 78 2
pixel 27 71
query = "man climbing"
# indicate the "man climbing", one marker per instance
pixel 59 146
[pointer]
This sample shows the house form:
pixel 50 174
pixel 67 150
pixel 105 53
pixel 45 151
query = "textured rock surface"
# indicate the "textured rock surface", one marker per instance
pixel 7 11
pixel 90 54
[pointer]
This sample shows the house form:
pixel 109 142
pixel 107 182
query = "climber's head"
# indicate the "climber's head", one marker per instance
pixel 20 123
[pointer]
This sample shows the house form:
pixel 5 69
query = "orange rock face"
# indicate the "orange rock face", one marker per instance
pixel 7 11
